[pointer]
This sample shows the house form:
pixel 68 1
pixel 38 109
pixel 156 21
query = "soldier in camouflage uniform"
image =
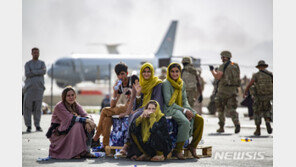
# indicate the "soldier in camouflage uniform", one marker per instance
pixel 163 73
pixel 211 106
pixel 229 81
pixel 198 105
pixel 262 92
pixel 192 82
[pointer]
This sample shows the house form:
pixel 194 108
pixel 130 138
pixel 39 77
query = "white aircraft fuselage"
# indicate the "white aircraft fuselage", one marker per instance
pixel 91 67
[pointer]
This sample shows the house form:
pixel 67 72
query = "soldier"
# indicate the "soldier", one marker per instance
pixel 211 106
pixel 228 76
pixel 198 105
pixel 192 82
pixel 163 73
pixel 262 81
pixel 33 91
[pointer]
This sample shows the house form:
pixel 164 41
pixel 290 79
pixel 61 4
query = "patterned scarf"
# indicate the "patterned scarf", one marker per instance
pixel 149 84
pixel 178 85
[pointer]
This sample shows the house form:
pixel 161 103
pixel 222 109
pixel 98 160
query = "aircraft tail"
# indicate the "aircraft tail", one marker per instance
pixel 167 46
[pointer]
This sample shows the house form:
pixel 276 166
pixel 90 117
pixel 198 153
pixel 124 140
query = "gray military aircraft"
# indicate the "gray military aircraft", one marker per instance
pixel 91 67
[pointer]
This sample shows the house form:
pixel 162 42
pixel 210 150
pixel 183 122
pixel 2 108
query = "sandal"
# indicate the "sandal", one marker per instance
pixel 77 157
pixel 180 156
pixel 123 151
pixel 143 157
pixel 95 143
pixel 157 158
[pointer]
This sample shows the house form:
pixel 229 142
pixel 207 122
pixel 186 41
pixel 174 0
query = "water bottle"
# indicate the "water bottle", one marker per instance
pixel 246 140
pixel 118 84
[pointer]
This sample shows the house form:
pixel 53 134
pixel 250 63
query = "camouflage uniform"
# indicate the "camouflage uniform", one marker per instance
pixel 262 94
pixel 211 106
pixel 226 97
pixel 163 73
pixel 189 76
pixel 197 104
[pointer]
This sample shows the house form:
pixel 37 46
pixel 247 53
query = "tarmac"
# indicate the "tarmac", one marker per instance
pixel 228 149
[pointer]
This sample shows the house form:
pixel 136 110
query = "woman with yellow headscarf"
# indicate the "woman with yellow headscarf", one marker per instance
pixel 149 132
pixel 148 88
pixel 176 105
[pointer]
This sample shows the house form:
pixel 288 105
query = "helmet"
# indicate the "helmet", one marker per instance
pixel 262 63
pixel 163 69
pixel 226 53
pixel 186 60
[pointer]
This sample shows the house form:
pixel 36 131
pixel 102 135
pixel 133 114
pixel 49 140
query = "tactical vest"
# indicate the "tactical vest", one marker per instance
pixel 232 75
pixel 263 84
pixel 189 77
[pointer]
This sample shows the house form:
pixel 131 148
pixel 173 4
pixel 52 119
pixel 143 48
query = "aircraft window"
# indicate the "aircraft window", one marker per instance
pixel 63 63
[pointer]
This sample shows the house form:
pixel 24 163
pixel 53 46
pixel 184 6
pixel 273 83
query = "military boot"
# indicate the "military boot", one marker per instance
pixel 221 129
pixel 237 128
pixel 268 127
pixel 257 132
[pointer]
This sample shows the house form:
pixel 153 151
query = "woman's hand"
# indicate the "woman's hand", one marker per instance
pixel 90 125
pixel 138 87
pixel 146 114
pixel 189 114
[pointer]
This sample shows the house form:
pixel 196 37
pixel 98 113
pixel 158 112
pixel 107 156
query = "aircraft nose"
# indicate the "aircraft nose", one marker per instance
pixel 49 71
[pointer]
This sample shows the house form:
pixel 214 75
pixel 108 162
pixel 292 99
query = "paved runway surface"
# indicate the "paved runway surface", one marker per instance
pixel 228 149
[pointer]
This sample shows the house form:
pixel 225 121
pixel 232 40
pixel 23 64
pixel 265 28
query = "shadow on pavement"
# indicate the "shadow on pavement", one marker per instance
pixel 127 162
pixel 220 134
pixel 118 162
pixel 263 136
pixel 51 161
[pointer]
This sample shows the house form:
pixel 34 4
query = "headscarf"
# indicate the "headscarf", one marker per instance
pixel 147 123
pixel 72 108
pixel 178 85
pixel 148 84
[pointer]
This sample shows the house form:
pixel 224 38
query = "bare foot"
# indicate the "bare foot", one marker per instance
pixel 193 152
pixel 157 158
pixel 123 151
pixel 134 157
pixel 143 157
pixel 180 156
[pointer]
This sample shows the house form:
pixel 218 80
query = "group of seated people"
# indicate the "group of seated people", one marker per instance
pixel 149 100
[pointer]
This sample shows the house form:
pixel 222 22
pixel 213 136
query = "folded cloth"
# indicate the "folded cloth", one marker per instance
pixel 43 159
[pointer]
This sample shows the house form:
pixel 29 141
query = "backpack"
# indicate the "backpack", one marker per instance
pixel 264 85
pixel 232 74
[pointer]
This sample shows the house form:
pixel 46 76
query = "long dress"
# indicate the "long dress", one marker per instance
pixel 159 139
pixel 72 139
pixel 156 95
